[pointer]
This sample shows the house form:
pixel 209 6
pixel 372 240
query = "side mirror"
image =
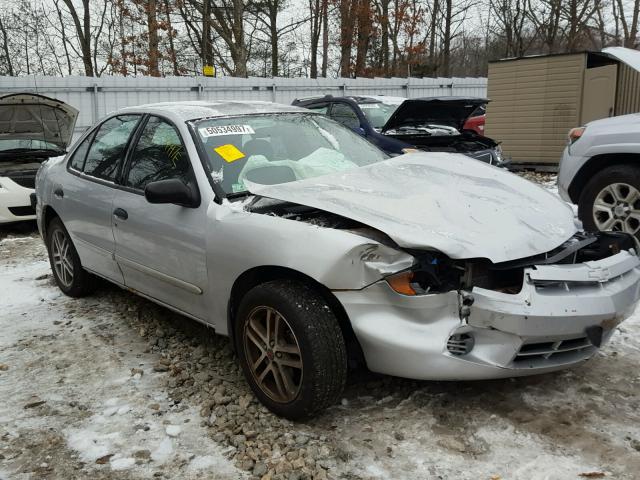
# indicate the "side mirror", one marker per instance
pixel 171 191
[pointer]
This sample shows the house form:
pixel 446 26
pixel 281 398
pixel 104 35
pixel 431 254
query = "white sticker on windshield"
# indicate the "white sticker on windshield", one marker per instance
pixel 226 130
pixel 369 105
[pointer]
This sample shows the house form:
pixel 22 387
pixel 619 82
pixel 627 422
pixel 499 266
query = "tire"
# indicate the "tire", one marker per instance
pixel 69 275
pixel 622 178
pixel 306 321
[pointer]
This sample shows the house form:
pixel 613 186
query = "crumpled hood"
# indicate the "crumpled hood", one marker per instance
pixel 447 202
pixel 28 116
pixel 449 111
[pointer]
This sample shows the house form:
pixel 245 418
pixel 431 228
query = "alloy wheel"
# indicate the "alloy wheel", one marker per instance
pixel 273 354
pixel 62 259
pixel 617 208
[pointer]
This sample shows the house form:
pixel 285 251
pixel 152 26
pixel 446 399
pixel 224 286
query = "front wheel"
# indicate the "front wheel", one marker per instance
pixel 291 348
pixel 611 201
pixel 68 273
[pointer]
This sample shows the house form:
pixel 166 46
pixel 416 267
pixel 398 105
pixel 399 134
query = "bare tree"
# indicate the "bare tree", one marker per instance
pixel 629 24
pixel 83 33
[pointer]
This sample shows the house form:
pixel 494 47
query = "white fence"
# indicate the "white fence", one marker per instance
pixel 94 97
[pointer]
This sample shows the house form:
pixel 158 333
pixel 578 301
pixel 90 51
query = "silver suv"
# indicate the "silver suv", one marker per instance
pixel 600 172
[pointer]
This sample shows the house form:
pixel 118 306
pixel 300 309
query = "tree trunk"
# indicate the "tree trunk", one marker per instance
pixel 172 48
pixel 346 37
pixel 315 18
pixel 83 30
pixel 364 20
pixel 152 27
pixel 384 38
pixel 446 43
pixel 5 44
pixel 207 48
pixel 325 36
pixel 273 32
pixel 239 52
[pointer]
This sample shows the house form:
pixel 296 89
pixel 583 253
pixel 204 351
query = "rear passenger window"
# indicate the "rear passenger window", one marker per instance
pixel 158 155
pixel 77 160
pixel 109 146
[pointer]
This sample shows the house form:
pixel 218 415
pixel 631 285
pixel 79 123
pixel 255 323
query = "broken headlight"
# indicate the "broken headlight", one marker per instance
pixel 433 273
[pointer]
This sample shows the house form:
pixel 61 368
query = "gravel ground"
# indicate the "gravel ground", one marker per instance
pixel 114 387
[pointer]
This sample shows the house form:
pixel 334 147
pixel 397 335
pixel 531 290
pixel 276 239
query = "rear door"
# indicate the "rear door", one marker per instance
pixel 161 248
pixel 84 198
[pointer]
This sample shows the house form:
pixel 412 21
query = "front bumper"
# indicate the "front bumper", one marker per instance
pixel 559 319
pixel 15 204
pixel 567 170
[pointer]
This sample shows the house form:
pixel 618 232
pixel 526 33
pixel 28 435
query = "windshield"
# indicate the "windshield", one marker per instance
pixel 271 149
pixel 25 145
pixel 378 113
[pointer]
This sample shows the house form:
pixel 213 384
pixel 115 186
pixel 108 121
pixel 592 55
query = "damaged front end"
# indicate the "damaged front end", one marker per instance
pixel 471 319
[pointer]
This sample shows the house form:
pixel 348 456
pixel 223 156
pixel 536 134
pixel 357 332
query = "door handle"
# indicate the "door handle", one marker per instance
pixel 58 192
pixel 121 213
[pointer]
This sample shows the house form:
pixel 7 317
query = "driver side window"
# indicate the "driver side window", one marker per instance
pixel 158 155
pixel 344 114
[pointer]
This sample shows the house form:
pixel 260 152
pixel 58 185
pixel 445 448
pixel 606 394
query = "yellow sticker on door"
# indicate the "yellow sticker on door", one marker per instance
pixel 229 153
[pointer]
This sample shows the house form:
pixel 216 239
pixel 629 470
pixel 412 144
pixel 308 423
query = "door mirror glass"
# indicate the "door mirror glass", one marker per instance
pixel 171 191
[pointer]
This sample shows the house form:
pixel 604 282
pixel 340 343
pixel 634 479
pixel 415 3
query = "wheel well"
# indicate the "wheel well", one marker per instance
pixel 48 215
pixel 594 165
pixel 258 275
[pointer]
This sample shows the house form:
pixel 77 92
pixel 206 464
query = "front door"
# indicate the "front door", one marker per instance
pixel 161 247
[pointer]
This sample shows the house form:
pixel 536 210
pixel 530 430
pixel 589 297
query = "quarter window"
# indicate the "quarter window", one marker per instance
pixel 109 145
pixel 77 160
pixel 344 114
pixel 158 155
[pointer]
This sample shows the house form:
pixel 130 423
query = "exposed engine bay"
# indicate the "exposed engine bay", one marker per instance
pixel 465 142
pixel 22 173
pixel 434 272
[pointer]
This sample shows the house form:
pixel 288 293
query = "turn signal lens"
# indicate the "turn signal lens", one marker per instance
pixel 410 150
pixel 575 134
pixel 401 283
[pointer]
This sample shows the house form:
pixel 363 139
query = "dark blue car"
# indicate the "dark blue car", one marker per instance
pixel 397 125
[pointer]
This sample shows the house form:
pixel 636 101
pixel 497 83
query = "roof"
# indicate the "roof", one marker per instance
pixel 191 110
pixel 355 98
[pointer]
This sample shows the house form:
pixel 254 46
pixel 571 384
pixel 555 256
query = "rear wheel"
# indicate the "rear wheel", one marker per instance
pixel 611 201
pixel 291 348
pixel 68 273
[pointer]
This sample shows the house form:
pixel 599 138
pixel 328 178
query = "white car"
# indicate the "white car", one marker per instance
pixel 33 128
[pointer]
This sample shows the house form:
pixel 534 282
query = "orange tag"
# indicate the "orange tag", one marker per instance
pixel 229 153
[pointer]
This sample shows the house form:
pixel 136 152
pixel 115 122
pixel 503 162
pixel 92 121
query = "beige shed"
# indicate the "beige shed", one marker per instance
pixel 536 100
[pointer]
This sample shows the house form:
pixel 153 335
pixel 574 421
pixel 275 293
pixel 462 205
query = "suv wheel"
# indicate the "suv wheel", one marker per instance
pixel 611 201
pixel 70 277
pixel 291 348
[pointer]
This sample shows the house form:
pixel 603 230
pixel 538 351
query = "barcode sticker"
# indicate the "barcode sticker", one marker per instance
pixel 226 130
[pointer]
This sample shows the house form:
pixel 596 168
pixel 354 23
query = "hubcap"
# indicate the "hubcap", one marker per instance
pixel 62 261
pixel 617 207
pixel 273 354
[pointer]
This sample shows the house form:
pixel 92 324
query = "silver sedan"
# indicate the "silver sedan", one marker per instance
pixel 312 249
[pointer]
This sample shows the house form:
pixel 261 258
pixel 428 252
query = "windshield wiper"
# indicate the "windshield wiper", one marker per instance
pixel 236 195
